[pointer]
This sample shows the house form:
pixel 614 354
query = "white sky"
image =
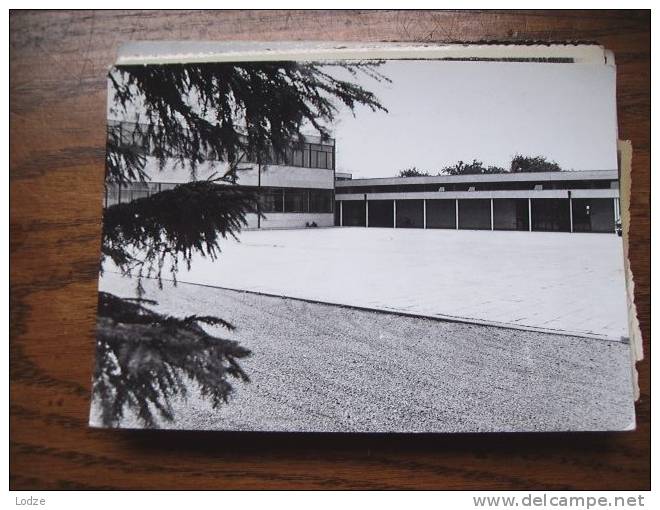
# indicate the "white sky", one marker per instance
pixel 442 112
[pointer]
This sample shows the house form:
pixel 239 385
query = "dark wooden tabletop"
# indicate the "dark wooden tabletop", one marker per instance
pixel 58 64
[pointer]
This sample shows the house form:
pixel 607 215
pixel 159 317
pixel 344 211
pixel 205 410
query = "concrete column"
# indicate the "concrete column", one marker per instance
pixel 570 211
pixel 457 214
pixel 424 202
pixel 394 211
pixel 617 212
pixel 366 213
pixel 616 207
pixel 492 216
pixel 529 213
pixel 341 213
pixel 259 202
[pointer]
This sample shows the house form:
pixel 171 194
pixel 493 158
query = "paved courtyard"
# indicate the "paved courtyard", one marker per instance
pixel 571 283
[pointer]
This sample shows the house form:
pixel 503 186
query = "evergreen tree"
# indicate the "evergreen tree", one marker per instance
pixel 190 114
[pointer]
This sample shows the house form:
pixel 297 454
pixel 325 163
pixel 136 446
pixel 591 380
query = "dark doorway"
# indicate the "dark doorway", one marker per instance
pixel 409 214
pixel 354 213
pixel 441 214
pixel 593 215
pixel 381 213
pixel 510 214
pixel 474 214
pixel 337 206
pixel 551 215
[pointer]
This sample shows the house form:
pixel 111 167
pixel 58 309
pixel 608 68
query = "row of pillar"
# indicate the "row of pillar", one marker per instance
pixel 492 213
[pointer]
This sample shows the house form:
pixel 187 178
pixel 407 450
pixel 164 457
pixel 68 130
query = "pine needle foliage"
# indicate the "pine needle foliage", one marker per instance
pixel 145 359
pixel 124 162
pixel 144 236
pixel 221 111
pixel 187 115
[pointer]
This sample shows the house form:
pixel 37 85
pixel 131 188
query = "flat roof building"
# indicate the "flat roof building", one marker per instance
pixel 296 189
pixel 586 201
pixel 300 188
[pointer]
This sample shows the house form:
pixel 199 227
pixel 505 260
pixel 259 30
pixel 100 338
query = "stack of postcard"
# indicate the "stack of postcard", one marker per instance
pixel 364 238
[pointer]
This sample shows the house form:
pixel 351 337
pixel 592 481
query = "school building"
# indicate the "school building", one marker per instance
pixel 296 188
pixel 586 201
pixel 301 188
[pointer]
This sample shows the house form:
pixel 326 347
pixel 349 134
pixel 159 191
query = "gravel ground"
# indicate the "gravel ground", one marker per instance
pixel 318 367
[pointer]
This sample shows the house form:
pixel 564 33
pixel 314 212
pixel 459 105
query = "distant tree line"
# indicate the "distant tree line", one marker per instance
pixel 519 164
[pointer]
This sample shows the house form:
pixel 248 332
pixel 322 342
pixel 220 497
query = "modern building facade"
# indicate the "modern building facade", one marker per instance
pixel 300 188
pixel 586 201
pixel 296 189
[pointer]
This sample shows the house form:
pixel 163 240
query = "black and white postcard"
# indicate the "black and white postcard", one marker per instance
pixel 363 239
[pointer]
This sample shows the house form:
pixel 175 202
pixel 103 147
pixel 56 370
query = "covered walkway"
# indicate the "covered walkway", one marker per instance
pixel 585 214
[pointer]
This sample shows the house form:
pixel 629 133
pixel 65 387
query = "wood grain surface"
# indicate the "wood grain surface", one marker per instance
pixel 58 64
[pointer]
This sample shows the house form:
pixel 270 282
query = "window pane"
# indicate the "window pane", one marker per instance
pixel 307 156
pixel 294 201
pixel 139 138
pixel 135 194
pixel 272 156
pixel 112 195
pixel 137 190
pixel 271 200
pixel 297 158
pixel 126 133
pixel 320 201
pixel 114 130
pixel 123 194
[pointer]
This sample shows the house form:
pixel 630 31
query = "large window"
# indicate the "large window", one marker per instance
pixel 112 195
pixel 272 200
pixel 320 156
pixel 551 214
pixel 297 157
pixel 116 194
pixel 131 134
pixel 308 155
pixel 320 201
pixel 381 213
pixel 138 190
pixel 296 201
pixel 409 214
pixel 441 213
pixel 510 214
pixel 593 215
pixel 474 214
pixel 300 200
pixel 354 213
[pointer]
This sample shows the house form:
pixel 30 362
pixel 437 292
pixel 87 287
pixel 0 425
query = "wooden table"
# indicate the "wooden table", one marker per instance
pixel 58 108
